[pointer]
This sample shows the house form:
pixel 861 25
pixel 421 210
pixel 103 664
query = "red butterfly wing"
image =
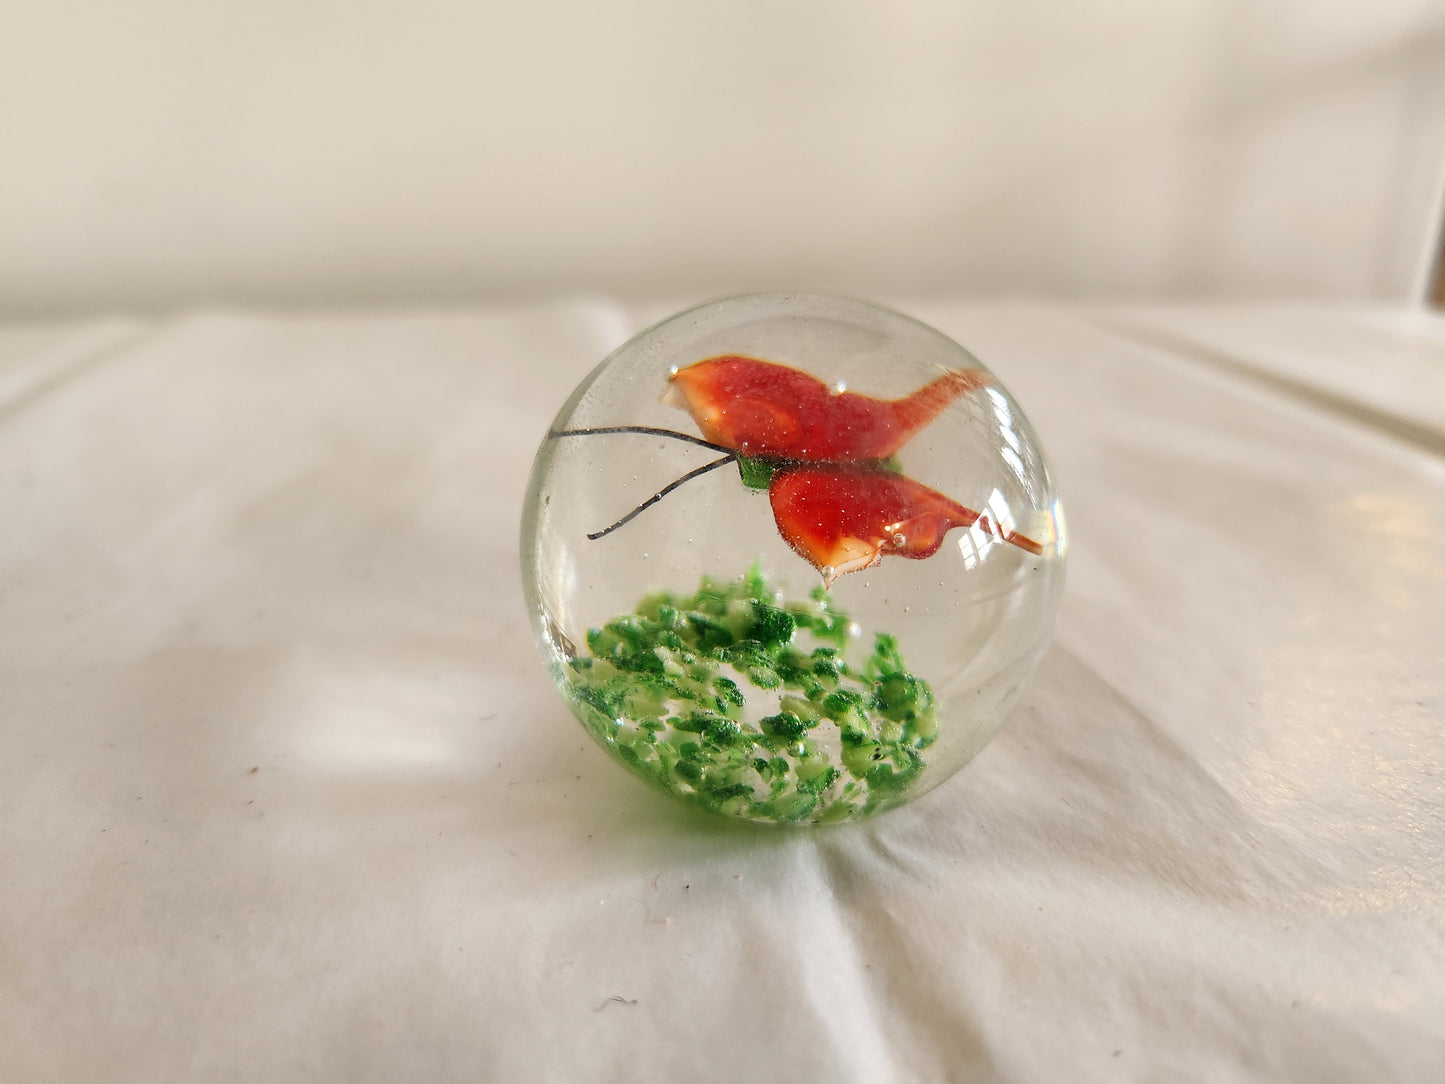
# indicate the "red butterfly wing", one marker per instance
pixel 845 519
pixel 760 408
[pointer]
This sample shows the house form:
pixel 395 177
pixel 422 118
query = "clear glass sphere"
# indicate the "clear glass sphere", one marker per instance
pixel 835 615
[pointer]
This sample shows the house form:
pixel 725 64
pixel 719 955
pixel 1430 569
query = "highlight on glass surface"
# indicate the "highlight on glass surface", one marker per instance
pixel 772 659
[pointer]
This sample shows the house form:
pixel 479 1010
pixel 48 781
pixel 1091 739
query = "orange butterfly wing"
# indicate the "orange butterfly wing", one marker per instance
pixel 760 408
pixel 845 519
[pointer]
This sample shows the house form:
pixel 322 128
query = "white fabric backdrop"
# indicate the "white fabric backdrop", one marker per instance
pixel 161 152
pixel 285 793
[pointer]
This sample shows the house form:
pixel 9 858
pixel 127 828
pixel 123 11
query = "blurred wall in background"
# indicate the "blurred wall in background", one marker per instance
pixel 162 152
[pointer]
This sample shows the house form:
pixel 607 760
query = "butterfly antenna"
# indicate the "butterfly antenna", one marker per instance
pixel 645 430
pixel 663 492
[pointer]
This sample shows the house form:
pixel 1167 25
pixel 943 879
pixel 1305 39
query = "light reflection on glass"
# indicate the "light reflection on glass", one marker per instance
pixel 974 545
pixel 1061 530
pixel 1012 438
pixel 996 519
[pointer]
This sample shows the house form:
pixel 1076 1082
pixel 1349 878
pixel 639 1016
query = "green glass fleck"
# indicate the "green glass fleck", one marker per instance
pixel 755 473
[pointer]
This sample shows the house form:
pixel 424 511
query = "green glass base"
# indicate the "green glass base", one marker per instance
pixel 747 707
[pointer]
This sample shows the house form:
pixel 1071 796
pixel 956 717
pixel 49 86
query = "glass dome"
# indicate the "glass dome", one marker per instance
pixel 792 557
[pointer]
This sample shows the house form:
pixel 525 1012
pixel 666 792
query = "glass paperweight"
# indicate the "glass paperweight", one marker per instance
pixel 792 557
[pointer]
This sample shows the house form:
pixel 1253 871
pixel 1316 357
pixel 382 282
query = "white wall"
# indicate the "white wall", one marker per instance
pixel 157 152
